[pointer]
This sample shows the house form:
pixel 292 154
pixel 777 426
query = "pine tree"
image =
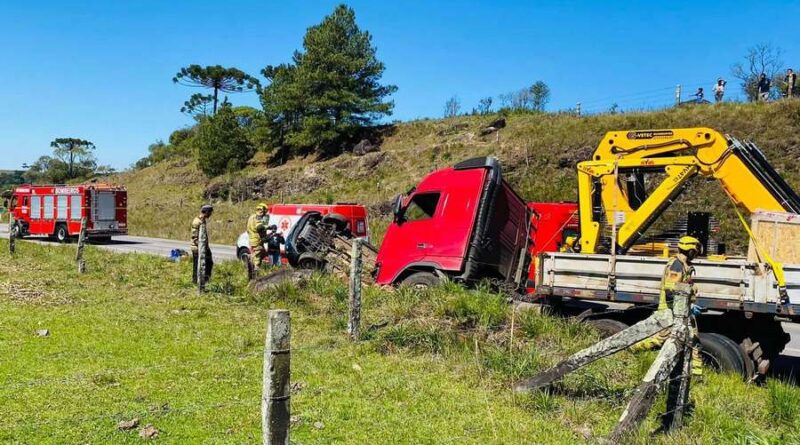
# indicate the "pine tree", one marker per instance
pixel 331 90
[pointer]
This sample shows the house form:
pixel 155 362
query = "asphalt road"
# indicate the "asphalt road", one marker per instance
pixel 140 244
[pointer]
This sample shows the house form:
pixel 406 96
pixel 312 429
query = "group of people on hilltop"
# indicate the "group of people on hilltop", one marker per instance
pixel 265 241
pixel 763 85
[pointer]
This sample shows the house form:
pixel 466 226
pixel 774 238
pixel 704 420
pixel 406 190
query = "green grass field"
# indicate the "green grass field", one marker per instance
pixel 131 339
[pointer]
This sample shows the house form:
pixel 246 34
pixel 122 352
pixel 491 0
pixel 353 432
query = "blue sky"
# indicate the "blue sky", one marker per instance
pixel 102 70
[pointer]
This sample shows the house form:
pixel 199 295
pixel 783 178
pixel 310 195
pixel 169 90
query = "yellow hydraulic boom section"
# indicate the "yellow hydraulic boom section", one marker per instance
pixel 679 155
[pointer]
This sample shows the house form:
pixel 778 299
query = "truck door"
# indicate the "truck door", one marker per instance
pixel 411 240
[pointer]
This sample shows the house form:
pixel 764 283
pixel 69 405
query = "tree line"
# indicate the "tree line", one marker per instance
pixel 532 99
pixel 319 102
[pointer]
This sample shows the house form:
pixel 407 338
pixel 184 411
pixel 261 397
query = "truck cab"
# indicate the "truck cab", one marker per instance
pixel 463 222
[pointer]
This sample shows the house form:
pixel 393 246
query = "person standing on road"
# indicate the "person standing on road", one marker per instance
pixel 274 241
pixel 256 231
pixel 719 90
pixel 764 85
pixel 205 213
pixel 790 80
pixel 679 269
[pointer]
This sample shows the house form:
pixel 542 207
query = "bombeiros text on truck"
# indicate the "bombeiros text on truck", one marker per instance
pixel 465 223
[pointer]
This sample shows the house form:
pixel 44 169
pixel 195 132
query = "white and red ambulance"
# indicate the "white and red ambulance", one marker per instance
pixel 57 210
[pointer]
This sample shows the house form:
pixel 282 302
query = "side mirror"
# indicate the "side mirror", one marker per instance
pixel 397 208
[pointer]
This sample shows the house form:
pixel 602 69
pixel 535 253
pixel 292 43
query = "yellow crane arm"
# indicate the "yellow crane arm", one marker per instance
pixel 679 154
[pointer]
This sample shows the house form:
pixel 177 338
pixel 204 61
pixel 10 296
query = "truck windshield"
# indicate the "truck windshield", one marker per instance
pixel 422 206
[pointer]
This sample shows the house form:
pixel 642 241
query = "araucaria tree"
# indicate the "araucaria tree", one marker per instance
pixel 331 90
pixel 216 78
pixel 69 150
pixel 222 145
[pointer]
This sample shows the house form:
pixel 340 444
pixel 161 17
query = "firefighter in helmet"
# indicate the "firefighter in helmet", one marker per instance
pixel 257 232
pixel 205 213
pixel 679 269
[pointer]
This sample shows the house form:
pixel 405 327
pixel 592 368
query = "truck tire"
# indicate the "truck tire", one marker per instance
pixel 62 234
pixel 309 261
pixel 336 220
pixel 243 254
pixel 421 280
pixel 607 326
pixel 722 354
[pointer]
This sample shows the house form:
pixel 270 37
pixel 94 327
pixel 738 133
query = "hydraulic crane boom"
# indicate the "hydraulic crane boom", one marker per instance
pixel 611 185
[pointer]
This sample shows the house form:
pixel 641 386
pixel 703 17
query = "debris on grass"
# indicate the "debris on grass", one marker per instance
pixel 319 425
pixel 42 333
pixel 127 425
pixel 148 432
pixel 27 293
pixel 297 387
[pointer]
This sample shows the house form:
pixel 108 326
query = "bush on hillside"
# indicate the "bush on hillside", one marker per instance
pixel 222 145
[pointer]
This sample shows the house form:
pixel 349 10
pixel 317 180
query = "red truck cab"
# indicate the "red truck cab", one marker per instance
pixel 464 222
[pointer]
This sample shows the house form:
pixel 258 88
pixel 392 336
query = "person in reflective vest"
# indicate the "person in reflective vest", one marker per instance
pixel 256 233
pixel 679 269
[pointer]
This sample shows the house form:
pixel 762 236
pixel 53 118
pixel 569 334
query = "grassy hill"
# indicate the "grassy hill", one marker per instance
pixel 130 339
pixel 538 153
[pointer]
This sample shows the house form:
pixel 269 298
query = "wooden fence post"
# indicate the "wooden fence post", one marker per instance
pixel 202 249
pixel 277 376
pixel 356 263
pixel 81 242
pixel 12 236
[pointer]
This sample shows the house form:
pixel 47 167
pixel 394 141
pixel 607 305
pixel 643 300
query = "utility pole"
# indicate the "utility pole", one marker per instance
pixel 578 109
pixel 678 95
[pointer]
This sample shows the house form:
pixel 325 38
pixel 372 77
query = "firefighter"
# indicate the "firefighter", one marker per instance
pixel 256 231
pixel 205 213
pixel 679 269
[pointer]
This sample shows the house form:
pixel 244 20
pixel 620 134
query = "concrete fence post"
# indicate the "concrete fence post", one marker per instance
pixel 356 264
pixel 12 236
pixel 202 250
pixel 277 377
pixel 81 241
pixel 678 95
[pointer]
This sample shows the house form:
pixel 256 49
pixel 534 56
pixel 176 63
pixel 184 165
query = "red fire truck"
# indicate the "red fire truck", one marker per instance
pixel 56 210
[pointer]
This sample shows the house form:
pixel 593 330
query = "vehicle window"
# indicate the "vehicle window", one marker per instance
pixel 36 209
pixel 422 206
pixel 61 208
pixel 75 207
pixel 25 202
pixel 13 203
pixel 49 210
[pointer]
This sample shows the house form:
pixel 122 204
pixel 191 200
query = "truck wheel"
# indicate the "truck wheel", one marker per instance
pixel 606 326
pixel 309 261
pixel 243 254
pixel 62 235
pixel 421 280
pixel 722 354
